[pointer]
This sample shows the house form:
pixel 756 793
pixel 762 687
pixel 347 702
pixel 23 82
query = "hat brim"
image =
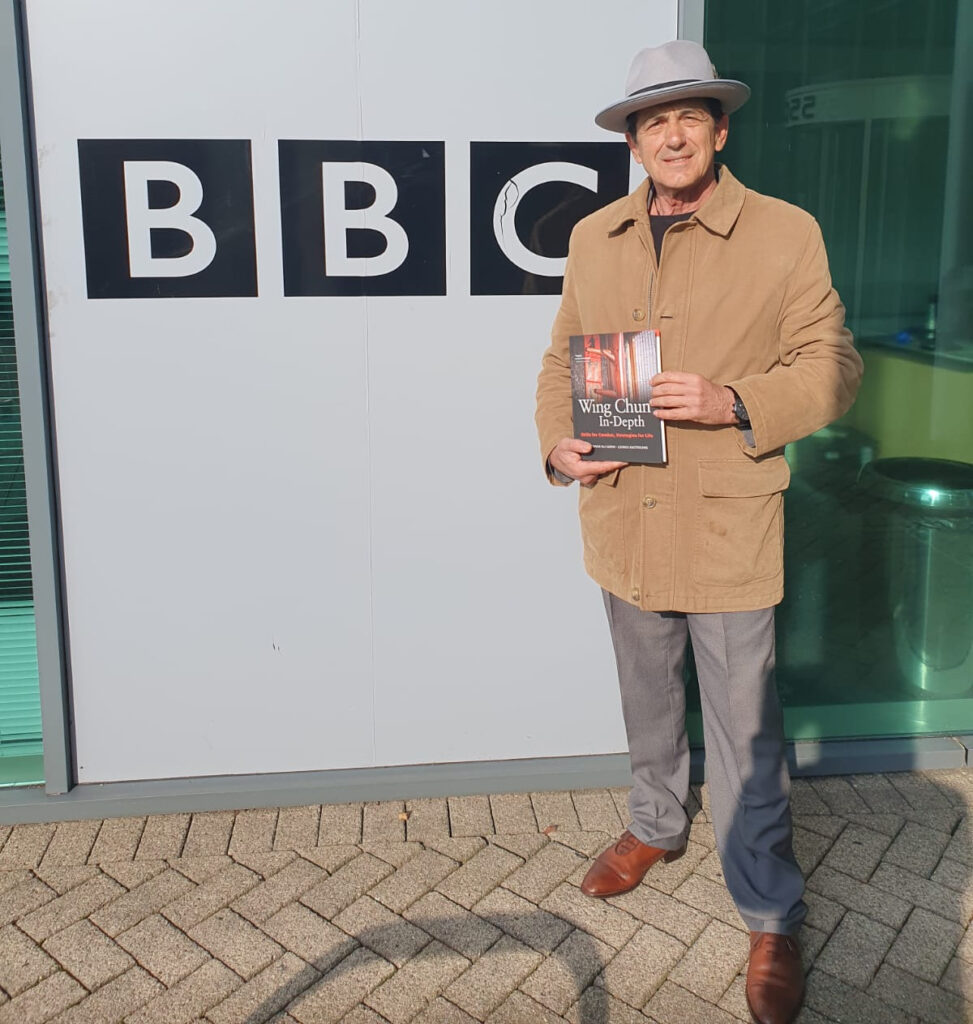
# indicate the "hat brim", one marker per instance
pixel 730 93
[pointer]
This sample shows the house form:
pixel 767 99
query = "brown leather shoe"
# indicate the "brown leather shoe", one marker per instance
pixel 775 978
pixel 621 867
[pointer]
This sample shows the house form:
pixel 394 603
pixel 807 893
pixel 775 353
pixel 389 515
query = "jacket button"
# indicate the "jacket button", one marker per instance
pixel 638 314
pixel 636 595
pixel 648 501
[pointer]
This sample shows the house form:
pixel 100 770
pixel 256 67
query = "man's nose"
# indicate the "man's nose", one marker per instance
pixel 675 136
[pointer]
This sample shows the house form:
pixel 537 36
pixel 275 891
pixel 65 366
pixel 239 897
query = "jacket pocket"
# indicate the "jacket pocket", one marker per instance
pixel 739 529
pixel 602 525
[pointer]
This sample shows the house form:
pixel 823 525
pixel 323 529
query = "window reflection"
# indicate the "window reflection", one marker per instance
pixel 861 115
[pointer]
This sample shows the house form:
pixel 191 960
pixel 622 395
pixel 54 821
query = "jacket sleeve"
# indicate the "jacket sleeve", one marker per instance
pixel 818 370
pixel 553 412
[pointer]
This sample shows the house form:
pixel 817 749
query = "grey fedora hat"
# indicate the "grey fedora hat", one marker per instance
pixel 674 71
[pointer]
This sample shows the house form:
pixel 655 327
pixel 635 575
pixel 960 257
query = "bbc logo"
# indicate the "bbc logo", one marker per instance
pixel 174 218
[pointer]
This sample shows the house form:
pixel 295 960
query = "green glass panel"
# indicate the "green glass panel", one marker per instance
pixel 20 717
pixel 860 115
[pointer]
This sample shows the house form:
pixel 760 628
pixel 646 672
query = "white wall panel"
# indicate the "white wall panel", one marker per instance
pixel 312 532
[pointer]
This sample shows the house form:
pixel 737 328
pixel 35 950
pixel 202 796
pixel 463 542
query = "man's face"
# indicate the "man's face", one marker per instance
pixel 676 143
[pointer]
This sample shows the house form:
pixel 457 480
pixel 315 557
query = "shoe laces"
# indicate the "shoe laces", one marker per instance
pixel 776 944
pixel 627 843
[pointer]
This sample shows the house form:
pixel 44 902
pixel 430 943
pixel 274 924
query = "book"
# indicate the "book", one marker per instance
pixel 610 392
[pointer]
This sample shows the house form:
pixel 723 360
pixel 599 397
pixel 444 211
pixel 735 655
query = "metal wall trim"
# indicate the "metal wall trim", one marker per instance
pixel 354 785
pixel 30 331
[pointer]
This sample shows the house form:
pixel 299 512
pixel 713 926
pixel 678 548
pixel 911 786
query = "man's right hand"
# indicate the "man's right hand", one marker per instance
pixel 566 458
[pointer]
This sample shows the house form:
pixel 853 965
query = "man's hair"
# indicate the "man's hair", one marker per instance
pixel 712 105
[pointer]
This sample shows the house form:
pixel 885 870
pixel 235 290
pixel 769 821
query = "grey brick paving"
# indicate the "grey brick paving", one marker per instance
pixel 22 963
pixel 925 945
pixel 43 1001
pixel 25 846
pixel 481 873
pixel 233 940
pixel 856 949
pixel 455 910
pixel 917 849
pixel 538 878
pixel 209 834
pixel 87 953
pixel 673 1004
pixel 713 962
pixel 341 989
pixel 869 900
pixel 146 899
pixel 924 892
pixel 663 911
pixel 518 1008
pixel 308 936
pixel 383 821
pixel 835 1000
pixel 596 917
pixel 519 918
pixel 340 824
pixel 164 835
pixel 162 949
pixel 115 1000
pixel 71 843
pixel 189 998
pixel 709 897
pixel 642 965
pixel 880 795
pixel 118 840
pixel 927 1002
pixel 413 880
pixel 455 926
pixel 375 926
pixel 458 848
pixel 481 989
pixel 271 990
pixel 560 979
pixel 297 827
pixel 428 819
pixel 395 851
pixel 265 899
pixel 597 812
pixel 212 895
pixel 61 879
pixel 470 816
pixel 345 886
pixel 554 809
pixel 253 831
pixel 524 845
pixel 596 1004
pixel 441 1011
pixel 417 983
pixel 857 852
pixel 513 813
pixel 72 906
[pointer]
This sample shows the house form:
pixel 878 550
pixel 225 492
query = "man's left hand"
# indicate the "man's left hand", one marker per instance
pixel 688 396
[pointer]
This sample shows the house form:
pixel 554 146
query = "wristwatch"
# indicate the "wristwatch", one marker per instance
pixel 740 410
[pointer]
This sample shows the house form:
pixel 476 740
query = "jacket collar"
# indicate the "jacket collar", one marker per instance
pixel 719 213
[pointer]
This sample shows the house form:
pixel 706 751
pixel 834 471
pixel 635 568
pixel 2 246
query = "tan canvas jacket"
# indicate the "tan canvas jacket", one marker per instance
pixel 744 298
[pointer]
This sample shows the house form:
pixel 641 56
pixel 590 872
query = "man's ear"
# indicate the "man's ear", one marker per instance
pixel 633 149
pixel 722 130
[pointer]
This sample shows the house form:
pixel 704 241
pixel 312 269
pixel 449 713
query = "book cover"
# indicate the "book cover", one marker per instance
pixel 610 393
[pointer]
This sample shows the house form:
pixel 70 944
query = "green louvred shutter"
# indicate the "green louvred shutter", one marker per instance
pixel 20 718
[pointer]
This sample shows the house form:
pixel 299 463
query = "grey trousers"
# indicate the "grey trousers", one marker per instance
pixel 746 769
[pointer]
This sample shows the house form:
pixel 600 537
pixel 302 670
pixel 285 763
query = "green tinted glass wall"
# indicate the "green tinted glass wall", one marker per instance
pixel 860 115
pixel 20 718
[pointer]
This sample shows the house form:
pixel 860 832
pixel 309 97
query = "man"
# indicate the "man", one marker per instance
pixel 754 355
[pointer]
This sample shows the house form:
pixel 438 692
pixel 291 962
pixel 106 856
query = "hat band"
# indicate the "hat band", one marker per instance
pixel 666 85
